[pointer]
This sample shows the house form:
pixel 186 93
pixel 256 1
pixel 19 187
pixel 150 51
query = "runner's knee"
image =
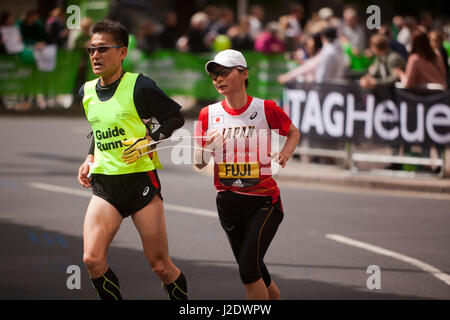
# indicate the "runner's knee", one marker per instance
pixel 160 265
pixel 93 262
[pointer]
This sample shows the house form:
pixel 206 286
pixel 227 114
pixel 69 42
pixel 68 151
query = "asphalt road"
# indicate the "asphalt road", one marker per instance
pixel 322 250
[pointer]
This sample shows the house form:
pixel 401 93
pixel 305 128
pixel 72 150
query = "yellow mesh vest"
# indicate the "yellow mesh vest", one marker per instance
pixel 113 121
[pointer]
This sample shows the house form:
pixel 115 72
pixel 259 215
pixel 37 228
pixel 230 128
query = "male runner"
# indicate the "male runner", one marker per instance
pixel 123 178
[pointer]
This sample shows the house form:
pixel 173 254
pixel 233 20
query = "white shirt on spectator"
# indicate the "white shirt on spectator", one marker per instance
pixel 332 63
pixel 294 29
pixel 12 39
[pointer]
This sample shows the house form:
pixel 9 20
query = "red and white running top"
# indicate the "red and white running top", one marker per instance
pixel 243 164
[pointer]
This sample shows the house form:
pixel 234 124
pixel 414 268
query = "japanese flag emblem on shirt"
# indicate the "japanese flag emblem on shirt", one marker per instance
pixel 217 119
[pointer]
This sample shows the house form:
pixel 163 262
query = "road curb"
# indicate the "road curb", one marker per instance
pixel 441 186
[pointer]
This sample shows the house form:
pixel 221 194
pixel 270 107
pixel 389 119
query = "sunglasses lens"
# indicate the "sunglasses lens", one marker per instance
pixel 91 50
pixel 102 49
pixel 222 73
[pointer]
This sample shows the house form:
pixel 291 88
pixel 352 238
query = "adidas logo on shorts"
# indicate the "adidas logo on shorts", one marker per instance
pixel 238 183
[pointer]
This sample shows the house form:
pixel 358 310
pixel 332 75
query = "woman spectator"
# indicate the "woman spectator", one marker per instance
pixel 307 69
pixel 269 41
pixel 240 36
pixel 55 27
pixel 424 66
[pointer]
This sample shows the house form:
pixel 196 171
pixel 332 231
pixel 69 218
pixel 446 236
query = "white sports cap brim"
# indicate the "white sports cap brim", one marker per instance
pixel 227 58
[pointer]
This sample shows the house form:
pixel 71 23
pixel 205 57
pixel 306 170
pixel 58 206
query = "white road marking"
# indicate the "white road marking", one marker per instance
pixel 53 188
pixel 415 262
pixel 83 193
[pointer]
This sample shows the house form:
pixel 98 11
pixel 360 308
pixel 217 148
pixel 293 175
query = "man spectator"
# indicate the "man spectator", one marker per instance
pixel 394 45
pixel 195 38
pixel 290 26
pixel 404 35
pixel 436 41
pixel 381 72
pixel 147 36
pixel 32 29
pixel 170 33
pixel 353 31
pixel 332 61
pixel 255 19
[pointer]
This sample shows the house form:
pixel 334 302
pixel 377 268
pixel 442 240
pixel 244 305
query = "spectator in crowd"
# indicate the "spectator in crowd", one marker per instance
pixel 221 26
pixel 240 36
pixel 307 68
pixel 398 24
pixel 426 21
pixel 81 43
pixel 381 72
pixel 10 39
pixel 32 29
pixel 170 32
pixel 353 31
pixel 437 41
pixel 424 66
pixel 290 26
pixel 55 28
pixel 256 19
pixel 404 35
pixel 320 20
pixel 213 13
pixel 332 61
pixel 269 41
pixel 83 37
pixel 195 38
pixel 315 24
pixel 394 45
pixel 147 36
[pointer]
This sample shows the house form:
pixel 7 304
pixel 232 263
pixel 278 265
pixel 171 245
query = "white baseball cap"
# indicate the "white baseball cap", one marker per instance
pixel 227 58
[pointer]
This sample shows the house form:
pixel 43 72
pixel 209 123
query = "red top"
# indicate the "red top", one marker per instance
pixel 276 118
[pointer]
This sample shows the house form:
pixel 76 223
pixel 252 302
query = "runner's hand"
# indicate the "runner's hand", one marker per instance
pixel 136 148
pixel 83 172
pixel 281 159
pixel 215 139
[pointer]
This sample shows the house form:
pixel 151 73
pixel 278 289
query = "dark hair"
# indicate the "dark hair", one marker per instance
pixel 4 17
pixel 317 42
pixel 246 80
pixel 329 33
pixel 114 28
pixel 380 42
pixel 421 45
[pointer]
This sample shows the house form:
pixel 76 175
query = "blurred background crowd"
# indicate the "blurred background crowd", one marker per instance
pixel 410 50
pixel 327 41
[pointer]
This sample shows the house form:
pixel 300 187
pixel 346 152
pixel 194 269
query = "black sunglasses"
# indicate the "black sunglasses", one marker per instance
pixel 100 49
pixel 222 73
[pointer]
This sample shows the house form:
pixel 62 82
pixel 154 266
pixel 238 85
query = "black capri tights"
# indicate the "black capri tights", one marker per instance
pixel 250 223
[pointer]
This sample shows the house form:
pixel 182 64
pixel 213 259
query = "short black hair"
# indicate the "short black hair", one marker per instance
pixel 114 28
pixel 329 33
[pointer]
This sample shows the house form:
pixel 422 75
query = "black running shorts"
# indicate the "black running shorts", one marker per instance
pixel 128 193
pixel 250 223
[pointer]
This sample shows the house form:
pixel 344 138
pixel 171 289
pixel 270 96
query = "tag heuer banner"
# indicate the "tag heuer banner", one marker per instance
pixel 385 115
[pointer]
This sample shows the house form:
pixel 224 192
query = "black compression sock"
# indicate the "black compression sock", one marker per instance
pixel 176 290
pixel 107 286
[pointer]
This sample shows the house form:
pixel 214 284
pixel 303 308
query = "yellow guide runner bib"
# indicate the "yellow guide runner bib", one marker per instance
pixel 113 121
